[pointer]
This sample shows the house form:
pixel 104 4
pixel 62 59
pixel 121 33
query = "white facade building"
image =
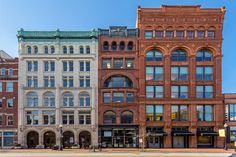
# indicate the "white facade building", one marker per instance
pixel 57 86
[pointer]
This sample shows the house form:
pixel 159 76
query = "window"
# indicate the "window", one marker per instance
pixel 129 63
pixel 232 112
pixel 179 112
pixel 67 117
pixel 179 73
pixel 204 73
pixel 32 99
pixel 154 91
pixel 204 91
pixel 84 66
pixel 0 86
pixel 35 49
pixel 68 81
pixel 9 120
pixel 32 81
pixel 84 100
pixel 118 82
pixel 154 113
pixel 118 97
pixel 154 55
pixel 49 99
pixel 87 50
pixel 0 103
pixel 3 71
pixel 130 46
pixel 28 49
pixel 190 34
pixel 232 134
pixel 81 50
pixel 106 64
pixel 10 72
pixel 9 103
pixel 32 66
pixel 169 34
pixel 67 66
pixel 113 46
pixel 68 100
pixel 49 117
pixel 32 118
pixel 200 34
pixel 71 50
pixel 84 117
pixel 154 73
pixel 9 86
pixel 109 117
pixel 148 34
pixel 122 45
pixel 45 50
pixel 84 81
pixel 204 55
pixel 159 34
pixel 106 97
pixel 179 56
pixel 180 34
pixel 64 49
pixel 49 66
pixel 118 63
pixel 49 81
pixel 0 119
pixel 105 46
pixel 129 97
pixel 52 49
pixel 211 34
pixel 204 112
pixel 126 117
pixel 179 92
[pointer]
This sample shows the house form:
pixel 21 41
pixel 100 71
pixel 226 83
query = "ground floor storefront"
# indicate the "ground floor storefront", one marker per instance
pixel 8 138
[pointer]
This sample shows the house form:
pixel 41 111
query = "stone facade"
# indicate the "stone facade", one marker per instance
pixel 57 86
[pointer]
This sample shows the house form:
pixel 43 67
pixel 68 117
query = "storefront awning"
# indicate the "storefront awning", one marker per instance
pixel 208 133
pixel 157 134
pixel 182 134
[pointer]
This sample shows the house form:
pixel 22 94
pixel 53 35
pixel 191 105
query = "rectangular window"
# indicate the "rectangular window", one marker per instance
pixel 179 112
pixel 68 81
pixel 67 117
pixel 154 91
pixel 118 97
pixel 10 72
pixel 204 73
pixel 180 34
pixel 32 66
pixel 84 117
pixel 32 81
pixel 190 34
pixel 106 97
pixel 148 34
pixel 169 34
pixel 154 113
pixel 0 86
pixel 232 112
pixel 0 103
pixel 204 112
pixel 32 118
pixel 129 63
pixel 149 113
pixel 3 71
pixel 49 81
pixel 84 66
pixel 49 117
pixel 129 97
pixel 0 119
pixel 67 66
pixel 106 64
pixel 204 91
pixel 9 103
pixel 49 66
pixel 9 120
pixel 154 73
pixel 211 34
pixel 118 63
pixel 84 81
pixel 179 92
pixel 9 86
pixel 159 34
pixel 179 73
pixel 200 34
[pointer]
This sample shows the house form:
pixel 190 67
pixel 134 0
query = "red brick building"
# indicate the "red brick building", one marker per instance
pixel 118 111
pixel 8 100
pixel 180 93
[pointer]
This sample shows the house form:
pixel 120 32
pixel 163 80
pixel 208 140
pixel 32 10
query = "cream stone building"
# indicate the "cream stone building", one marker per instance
pixel 57 88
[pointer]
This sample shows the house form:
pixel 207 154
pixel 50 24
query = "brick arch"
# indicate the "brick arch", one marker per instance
pixel 186 48
pixel 130 76
pixel 161 48
pixel 212 49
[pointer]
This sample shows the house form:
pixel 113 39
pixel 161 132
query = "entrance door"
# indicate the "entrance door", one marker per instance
pixel 84 139
pixel 178 141
pixel 154 142
pixel 49 139
pixel 68 139
pixel 32 139
pixel 118 138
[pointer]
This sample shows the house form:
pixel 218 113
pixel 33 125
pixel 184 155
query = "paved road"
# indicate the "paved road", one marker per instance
pixel 100 154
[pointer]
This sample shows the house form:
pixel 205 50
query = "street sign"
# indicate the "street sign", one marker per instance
pixel 222 132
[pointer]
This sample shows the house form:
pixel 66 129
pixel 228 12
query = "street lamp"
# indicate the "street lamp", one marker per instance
pixel 225 126
pixel 61 137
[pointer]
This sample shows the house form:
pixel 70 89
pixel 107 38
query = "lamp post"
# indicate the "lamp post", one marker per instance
pixel 225 126
pixel 61 137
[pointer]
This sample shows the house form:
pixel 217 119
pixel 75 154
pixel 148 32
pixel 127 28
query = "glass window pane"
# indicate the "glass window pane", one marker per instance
pixel 149 113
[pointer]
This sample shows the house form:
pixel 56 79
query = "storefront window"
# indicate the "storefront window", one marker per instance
pixel 232 134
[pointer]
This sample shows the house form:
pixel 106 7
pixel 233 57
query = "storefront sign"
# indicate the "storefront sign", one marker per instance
pixel 107 133
pixel 222 132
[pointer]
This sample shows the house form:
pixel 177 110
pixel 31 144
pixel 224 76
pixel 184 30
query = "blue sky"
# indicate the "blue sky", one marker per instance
pixel 88 14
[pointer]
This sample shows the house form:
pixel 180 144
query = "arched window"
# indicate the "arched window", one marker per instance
pixel 35 49
pixel 179 55
pixel 154 55
pixel 87 50
pixel 84 99
pixel 46 50
pixel 122 45
pixel 29 49
pixel 118 82
pixel 130 46
pixel 32 99
pixel 49 99
pixel 105 46
pixel 109 117
pixel 52 49
pixel 204 55
pixel 126 117
pixel 64 50
pixel 68 99
pixel 113 46
pixel 81 50
pixel 71 50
